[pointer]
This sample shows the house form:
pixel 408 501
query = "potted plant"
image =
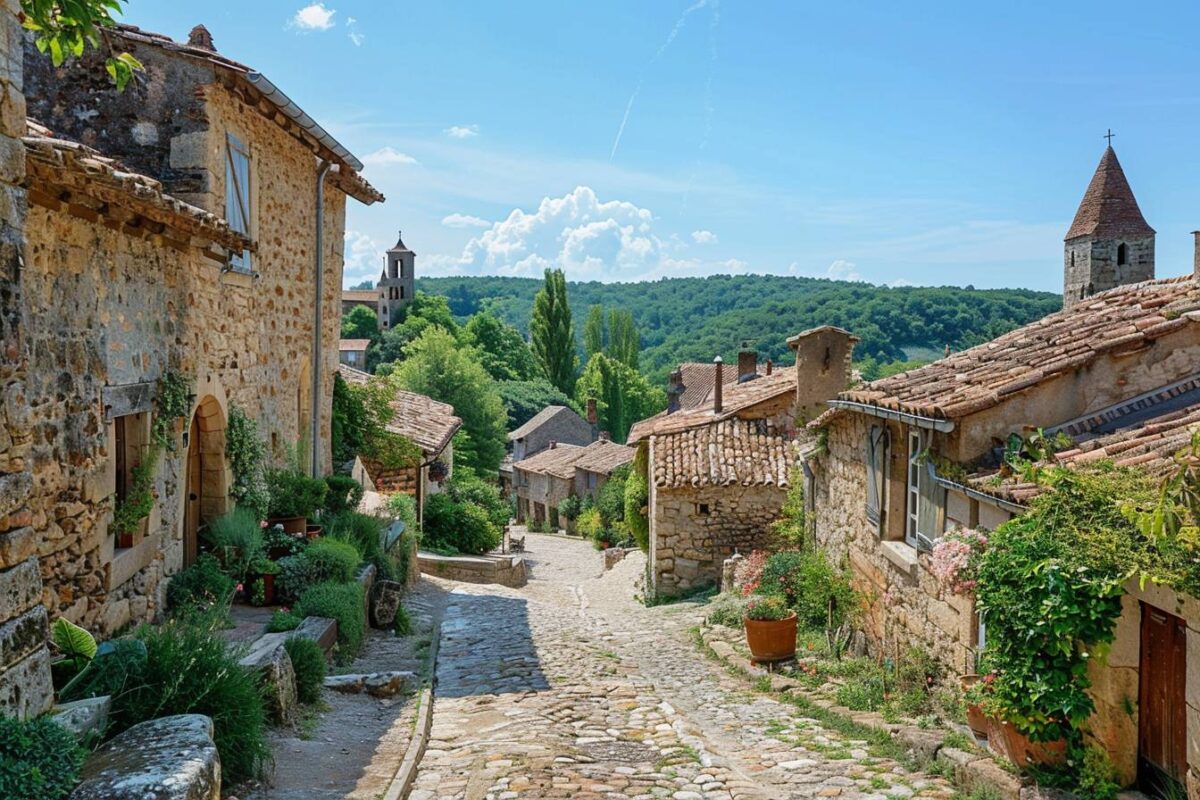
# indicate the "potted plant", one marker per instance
pixel 438 471
pixel 262 573
pixel 770 629
pixel 1006 740
pixel 974 687
pixel 294 497
pixel 281 544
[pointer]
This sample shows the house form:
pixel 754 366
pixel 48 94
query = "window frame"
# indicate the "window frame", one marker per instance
pixel 912 493
pixel 239 198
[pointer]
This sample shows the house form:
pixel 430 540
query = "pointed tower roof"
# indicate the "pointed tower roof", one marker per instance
pixel 400 246
pixel 1109 207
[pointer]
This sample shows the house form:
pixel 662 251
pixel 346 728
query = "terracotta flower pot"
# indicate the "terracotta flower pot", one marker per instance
pixel 976 719
pixel 1005 740
pixel 268 590
pixel 771 639
pixel 290 524
pixel 313 531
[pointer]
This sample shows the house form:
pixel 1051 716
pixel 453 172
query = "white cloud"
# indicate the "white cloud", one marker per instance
pixel 363 258
pixel 385 156
pixel 900 282
pixel 353 33
pixel 839 270
pixel 704 237
pixel 465 221
pixel 314 17
pixel 462 131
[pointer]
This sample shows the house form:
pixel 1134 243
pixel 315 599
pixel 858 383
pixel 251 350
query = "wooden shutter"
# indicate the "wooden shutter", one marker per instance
pixel 238 212
pixel 876 458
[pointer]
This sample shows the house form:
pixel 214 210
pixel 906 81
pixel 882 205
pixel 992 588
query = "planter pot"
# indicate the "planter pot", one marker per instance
pixel 290 524
pixel 313 531
pixel 976 719
pixel 268 589
pixel 771 640
pixel 125 540
pixel 1005 740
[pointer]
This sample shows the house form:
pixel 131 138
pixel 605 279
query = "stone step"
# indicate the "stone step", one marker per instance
pixel 170 758
pixel 321 630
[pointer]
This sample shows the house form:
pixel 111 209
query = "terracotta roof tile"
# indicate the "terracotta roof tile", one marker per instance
pixel 353 344
pixel 1109 208
pixel 732 451
pixel 426 422
pixel 358 296
pixel 736 398
pixel 546 416
pixel 553 460
pixel 604 456
pixel 698 380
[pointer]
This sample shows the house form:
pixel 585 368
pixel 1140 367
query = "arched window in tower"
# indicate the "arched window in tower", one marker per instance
pixel 1122 255
pixel 401 292
pixel 1072 259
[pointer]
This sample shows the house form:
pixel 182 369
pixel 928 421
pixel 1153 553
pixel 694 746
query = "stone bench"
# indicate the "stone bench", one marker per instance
pixel 321 630
pixel 506 570
pixel 170 758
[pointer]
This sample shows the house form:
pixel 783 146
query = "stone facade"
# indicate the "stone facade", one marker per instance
pixel 1094 265
pixel 24 660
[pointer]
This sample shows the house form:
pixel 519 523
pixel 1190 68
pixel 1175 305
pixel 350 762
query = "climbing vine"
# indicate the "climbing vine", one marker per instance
pixel 247 458
pixel 174 402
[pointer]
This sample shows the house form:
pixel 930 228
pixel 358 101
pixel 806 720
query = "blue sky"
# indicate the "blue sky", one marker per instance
pixel 926 143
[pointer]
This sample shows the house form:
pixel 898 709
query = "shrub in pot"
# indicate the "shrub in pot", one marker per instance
pixel 237 540
pixel 770 628
pixel 261 575
pixel 294 498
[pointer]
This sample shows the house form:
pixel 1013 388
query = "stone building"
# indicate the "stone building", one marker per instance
pixel 205 241
pixel 718 473
pixel 691 384
pixel 428 424
pixel 353 352
pixel 551 425
pixel 559 471
pixel 395 289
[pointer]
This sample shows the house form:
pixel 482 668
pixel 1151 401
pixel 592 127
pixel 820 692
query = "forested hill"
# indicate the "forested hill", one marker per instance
pixel 694 319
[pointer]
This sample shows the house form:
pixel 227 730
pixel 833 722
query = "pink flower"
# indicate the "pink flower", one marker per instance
pixel 748 572
pixel 240 588
pixel 955 559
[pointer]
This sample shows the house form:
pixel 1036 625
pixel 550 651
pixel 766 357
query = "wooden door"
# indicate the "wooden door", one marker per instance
pixel 1162 717
pixel 195 478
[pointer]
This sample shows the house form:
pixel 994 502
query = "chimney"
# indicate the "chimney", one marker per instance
pixel 591 411
pixel 747 364
pixel 675 389
pixel 201 38
pixel 605 436
pixel 1196 255
pixel 553 444
pixel 718 386
pixel 770 366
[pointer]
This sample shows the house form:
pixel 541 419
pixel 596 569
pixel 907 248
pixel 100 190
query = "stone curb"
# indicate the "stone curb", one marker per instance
pixel 970 770
pixel 402 782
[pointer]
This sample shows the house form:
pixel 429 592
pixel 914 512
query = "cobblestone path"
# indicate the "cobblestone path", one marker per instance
pixel 570 688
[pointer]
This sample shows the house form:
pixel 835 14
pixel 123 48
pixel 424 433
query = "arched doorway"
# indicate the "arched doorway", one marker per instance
pixel 206 482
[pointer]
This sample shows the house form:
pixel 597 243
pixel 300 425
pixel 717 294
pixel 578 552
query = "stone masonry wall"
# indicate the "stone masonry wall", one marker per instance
pixel 24 660
pixel 1090 266
pixel 688 547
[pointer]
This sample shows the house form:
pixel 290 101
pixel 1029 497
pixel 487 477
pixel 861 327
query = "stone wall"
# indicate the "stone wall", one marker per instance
pixel 688 544
pixel 1090 266
pixel 24 660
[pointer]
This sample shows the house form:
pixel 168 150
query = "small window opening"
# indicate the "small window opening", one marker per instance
pixel 1122 254
pixel 702 509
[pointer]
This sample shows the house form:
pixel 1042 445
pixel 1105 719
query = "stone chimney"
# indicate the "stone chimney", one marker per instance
pixel 675 390
pixel 201 38
pixel 605 436
pixel 553 443
pixel 591 411
pixel 770 366
pixel 747 364
pixel 1196 255
pixel 718 386
pixel 823 367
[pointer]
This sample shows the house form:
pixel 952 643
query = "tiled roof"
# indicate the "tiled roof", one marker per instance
pixel 426 422
pixel 733 451
pixel 553 460
pixel 358 296
pixel 353 344
pixel 1109 208
pixel 698 380
pixel 68 165
pixel 1123 319
pixel 736 398
pixel 544 417
pixel 603 456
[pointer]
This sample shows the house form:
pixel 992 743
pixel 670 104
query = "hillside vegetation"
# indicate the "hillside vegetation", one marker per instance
pixel 694 319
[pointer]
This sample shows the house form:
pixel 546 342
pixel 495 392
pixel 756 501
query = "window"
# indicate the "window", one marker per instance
pixel 702 509
pixel 238 212
pixel 914 488
pixel 877 445
pixel 401 292
pixel 1122 254
pixel 926 501
pixel 130 440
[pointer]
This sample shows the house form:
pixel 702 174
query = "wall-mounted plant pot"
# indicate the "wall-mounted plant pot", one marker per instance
pixel 771 639
pixel 313 531
pixel 1005 740
pixel 290 524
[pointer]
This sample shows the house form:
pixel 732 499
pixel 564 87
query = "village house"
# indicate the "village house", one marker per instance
pixel 353 352
pixel 910 457
pixel 691 384
pixel 204 241
pixel 718 473
pixel 552 425
pixel 430 425
pixel 544 480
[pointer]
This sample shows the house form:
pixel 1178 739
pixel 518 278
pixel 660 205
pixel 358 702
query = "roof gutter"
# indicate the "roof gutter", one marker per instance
pixel 975 494
pixel 928 423
pixel 296 114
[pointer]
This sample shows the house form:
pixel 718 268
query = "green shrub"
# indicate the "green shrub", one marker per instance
pixel 570 507
pixel 285 544
pixel 610 500
pixel 535 526
pixel 403 625
pixel 237 537
pixel 343 494
pixel 589 524
pixel 768 607
pixel 200 586
pixel 462 526
pixel 342 602
pixel 292 579
pixel 466 488
pixel 727 610
pixel 283 621
pixel 246 452
pixel 331 560
pixel 404 508
pixel 821 595
pixel 39 759
pixel 365 533
pixel 1097 778
pixel 294 494
pixel 636 499
pixel 308 662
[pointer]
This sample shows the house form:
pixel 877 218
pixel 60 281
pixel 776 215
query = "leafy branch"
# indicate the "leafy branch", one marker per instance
pixel 65 28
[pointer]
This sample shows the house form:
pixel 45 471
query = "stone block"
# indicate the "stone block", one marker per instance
pixel 25 688
pixel 923 744
pixel 84 717
pixel 985 773
pixel 17 545
pixel 20 589
pixel 385 603
pixel 21 636
pixel 269 658
pixel 170 758
pixel 346 684
pixel 321 630
pixel 387 684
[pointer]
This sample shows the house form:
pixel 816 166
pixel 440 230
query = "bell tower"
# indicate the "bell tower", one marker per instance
pixel 397 284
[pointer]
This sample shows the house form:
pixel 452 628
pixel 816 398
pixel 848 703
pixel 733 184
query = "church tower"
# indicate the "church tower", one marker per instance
pixel 397 283
pixel 1109 243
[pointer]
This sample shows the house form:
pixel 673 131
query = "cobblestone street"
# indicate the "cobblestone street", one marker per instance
pixel 571 688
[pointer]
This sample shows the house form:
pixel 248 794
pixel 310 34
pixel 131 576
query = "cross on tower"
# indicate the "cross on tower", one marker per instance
pixel 1109 136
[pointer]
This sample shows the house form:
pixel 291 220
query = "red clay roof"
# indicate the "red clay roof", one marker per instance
pixel 558 460
pixel 736 398
pixel 1109 208
pixel 698 380
pixel 1120 320
pixel 353 344
pixel 426 422
pixel 358 296
pixel 603 456
pixel 732 451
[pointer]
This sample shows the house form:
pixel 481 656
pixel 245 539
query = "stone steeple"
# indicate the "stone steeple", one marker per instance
pixel 397 284
pixel 1109 243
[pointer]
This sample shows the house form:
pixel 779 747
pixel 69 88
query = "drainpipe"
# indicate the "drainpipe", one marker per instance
pixel 319 264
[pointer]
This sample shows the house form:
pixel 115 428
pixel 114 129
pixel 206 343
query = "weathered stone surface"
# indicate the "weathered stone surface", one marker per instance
pixel 83 717
pixel 321 630
pixel 387 684
pixel 270 659
pixel 506 570
pixel 346 684
pixel 25 686
pixel 172 758
pixel 924 744
pixel 385 602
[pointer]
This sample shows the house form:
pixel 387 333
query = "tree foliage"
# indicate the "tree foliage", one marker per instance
pixel 63 29
pixel 524 399
pixel 595 332
pixel 360 323
pixel 437 366
pixel 552 332
pixel 624 344
pixel 623 395
pixel 502 350
pixel 424 312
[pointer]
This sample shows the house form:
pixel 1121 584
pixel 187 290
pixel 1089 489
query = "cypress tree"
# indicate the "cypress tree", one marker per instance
pixel 552 333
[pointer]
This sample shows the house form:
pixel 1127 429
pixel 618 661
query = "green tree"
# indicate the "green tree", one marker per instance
pixel 63 29
pixel 362 285
pixel 424 312
pixel 623 340
pixel 552 332
pixel 360 323
pixel 438 366
pixel 595 337
pixel 623 395
pixel 502 351
pixel 524 399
